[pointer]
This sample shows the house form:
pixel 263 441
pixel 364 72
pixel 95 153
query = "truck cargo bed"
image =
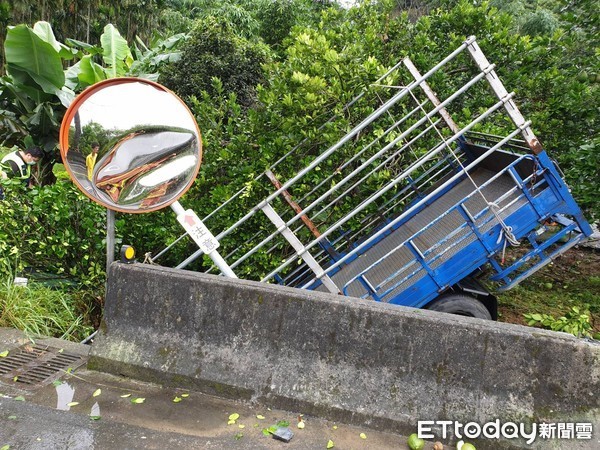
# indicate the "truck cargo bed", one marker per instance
pixel 405 204
pixel 449 229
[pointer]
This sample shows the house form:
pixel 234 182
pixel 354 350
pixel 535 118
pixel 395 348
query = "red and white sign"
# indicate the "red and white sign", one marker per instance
pixel 198 231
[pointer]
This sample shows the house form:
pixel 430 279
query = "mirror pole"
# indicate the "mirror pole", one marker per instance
pixel 110 237
pixel 177 208
pixel 202 237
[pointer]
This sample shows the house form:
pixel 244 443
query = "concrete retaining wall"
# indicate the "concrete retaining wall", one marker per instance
pixel 344 359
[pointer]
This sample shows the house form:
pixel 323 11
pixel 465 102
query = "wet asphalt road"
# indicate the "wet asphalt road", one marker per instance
pixel 41 418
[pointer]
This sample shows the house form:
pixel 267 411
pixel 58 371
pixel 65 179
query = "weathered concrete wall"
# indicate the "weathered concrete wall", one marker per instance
pixel 344 359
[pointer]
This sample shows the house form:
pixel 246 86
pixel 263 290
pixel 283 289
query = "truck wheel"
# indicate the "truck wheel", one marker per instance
pixel 462 305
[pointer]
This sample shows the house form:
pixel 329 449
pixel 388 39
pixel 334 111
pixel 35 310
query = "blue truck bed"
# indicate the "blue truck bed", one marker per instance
pixel 445 238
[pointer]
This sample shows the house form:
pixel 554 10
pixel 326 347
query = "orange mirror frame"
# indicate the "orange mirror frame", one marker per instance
pixel 130 145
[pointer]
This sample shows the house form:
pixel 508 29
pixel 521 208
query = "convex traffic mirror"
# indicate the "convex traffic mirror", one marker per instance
pixel 130 145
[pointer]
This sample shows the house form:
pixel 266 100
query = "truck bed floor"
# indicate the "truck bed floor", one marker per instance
pixel 494 192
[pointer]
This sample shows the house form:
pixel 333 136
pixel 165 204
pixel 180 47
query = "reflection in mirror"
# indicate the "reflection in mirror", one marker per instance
pixel 131 145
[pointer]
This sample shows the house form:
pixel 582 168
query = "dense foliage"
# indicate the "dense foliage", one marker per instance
pixel 35 93
pixel 213 50
pixel 260 77
pixel 85 20
pixel 54 229
pixel 54 235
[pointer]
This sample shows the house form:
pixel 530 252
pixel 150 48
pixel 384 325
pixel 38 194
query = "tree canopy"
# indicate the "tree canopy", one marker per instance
pixel 262 76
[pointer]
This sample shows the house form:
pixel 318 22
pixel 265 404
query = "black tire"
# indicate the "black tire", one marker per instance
pixel 461 305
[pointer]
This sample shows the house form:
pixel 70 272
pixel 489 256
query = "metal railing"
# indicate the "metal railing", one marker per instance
pixel 452 239
pixel 390 164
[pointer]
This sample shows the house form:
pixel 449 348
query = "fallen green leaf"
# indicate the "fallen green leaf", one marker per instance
pixel 4 354
pixel 15 378
pixel 363 436
pixel 12 417
pixel 330 444
pixel 97 392
pixel 61 350
pixel 238 436
pixel 260 417
pixel 94 417
pixel 138 400
pixel 242 426
pixel 283 423
pixel 234 416
pixel 5 447
pixel 269 431
pixel 125 395
pixel 176 399
pixel 72 403
pixel 20 398
pixel 185 395
pixel 57 383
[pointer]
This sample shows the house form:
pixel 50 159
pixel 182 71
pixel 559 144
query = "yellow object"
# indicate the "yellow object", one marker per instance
pixel 90 162
pixel 127 254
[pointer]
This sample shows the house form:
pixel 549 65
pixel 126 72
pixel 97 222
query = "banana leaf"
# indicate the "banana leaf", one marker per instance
pixel 32 61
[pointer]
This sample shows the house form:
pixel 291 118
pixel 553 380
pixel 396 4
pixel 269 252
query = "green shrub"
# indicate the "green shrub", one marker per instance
pixel 575 322
pixel 214 50
pixel 56 235
pixel 582 168
pixel 52 229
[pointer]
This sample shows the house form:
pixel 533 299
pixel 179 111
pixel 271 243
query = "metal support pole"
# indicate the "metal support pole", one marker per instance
pixel 300 249
pixel 110 238
pixel 222 264
pixel 501 92
pixel 177 208
pixel 295 206
pixel 202 237
pixel 430 94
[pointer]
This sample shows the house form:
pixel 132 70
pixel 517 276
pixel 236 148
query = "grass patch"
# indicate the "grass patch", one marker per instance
pixel 41 311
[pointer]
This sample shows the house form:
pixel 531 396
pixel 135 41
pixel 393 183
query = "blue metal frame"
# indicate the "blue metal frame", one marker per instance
pixel 546 195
